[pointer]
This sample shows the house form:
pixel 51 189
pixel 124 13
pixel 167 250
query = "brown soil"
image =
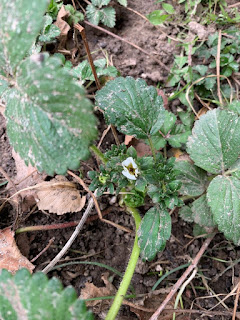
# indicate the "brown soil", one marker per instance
pixel 102 243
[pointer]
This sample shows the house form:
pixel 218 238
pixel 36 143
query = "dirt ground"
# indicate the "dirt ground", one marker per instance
pixel 99 242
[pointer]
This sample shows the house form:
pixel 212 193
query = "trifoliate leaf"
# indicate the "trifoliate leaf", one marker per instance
pixel 132 106
pixel 21 22
pixel 123 2
pixel 193 179
pixel 202 214
pixel 93 14
pixel 49 120
pixel 154 231
pixel 224 200
pixel 214 144
pixel 186 213
pixel 108 16
pixel 24 296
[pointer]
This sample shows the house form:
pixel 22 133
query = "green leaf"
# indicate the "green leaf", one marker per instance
pixel 49 121
pixel 93 14
pixel 154 231
pixel 100 3
pixel 50 34
pixel 224 200
pixel 35 297
pixel 168 8
pixel 178 136
pixel 21 22
pixel 157 17
pixel 132 106
pixel 193 179
pixel 3 86
pixel 202 69
pixel 209 83
pixel 186 213
pixel 234 106
pixel 214 144
pixel 235 169
pixel 108 17
pixel 187 118
pixel 123 2
pixel 202 214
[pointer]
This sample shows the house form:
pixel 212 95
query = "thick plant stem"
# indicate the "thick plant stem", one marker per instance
pixel 112 313
pixel 98 153
pixel 152 148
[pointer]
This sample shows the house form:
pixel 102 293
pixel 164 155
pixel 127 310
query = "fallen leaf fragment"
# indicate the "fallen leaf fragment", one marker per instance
pixel 10 256
pixel 60 196
pixel 128 139
pixel 63 26
pixel 91 291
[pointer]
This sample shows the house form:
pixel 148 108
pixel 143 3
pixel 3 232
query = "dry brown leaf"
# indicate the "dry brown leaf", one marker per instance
pixel 60 196
pixel 91 291
pixel 63 26
pixel 128 139
pixel 10 256
pixel 201 112
pixel 164 97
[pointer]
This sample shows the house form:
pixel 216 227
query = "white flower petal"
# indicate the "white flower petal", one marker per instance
pixel 128 175
pixel 129 161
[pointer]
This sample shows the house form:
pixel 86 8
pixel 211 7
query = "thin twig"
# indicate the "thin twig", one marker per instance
pixel 236 302
pixel 182 279
pixel 218 66
pixel 45 249
pixel 90 59
pixel 234 5
pixel 6 176
pixel 72 238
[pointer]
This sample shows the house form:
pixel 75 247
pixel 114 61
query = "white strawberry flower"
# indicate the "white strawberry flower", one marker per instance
pixel 130 169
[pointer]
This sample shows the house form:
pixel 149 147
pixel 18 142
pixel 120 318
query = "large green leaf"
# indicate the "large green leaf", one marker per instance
pixel 132 106
pixel 214 144
pixel 49 120
pixel 154 231
pixel 193 179
pixel 202 214
pixel 224 200
pixel 21 21
pixel 24 296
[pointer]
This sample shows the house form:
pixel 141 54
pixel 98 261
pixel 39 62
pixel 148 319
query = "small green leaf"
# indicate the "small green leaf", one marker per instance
pixel 100 3
pixel 108 16
pixel 21 22
pixel 235 169
pixel 186 213
pixel 49 120
pixel 132 106
pixel 214 144
pixel 50 34
pixel 202 214
pixel 123 2
pixel 93 14
pixel 209 83
pixel 224 200
pixel 154 231
pixel 169 122
pixel 233 106
pixel 168 8
pixel 193 179
pixel 35 297
pixel 202 69
pixel 157 17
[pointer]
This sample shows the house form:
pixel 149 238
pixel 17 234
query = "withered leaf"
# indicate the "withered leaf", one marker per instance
pixel 10 256
pixel 60 196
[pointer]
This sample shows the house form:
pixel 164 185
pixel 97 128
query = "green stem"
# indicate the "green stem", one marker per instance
pixel 152 148
pixel 98 153
pixel 112 313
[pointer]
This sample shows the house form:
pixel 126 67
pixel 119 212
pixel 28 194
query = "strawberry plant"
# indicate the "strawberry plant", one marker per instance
pixel 51 124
